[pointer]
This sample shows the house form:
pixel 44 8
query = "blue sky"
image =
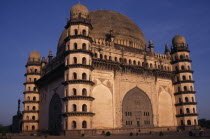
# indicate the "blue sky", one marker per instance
pixel 27 25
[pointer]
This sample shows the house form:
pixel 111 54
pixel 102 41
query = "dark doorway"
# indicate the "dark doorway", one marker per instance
pixel 55 111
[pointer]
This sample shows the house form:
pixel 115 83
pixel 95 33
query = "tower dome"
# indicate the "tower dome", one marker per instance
pixel 34 55
pixel 178 40
pixel 79 9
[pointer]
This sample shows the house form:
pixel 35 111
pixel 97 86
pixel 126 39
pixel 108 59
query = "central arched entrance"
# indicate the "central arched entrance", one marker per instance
pixel 137 109
pixel 55 117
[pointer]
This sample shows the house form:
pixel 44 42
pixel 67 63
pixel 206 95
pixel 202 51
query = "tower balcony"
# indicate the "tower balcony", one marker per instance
pixel 183 81
pixel 180 49
pixel 32 92
pixel 79 21
pixel 184 92
pixel 30 101
pixel 183 71
pixel 67 52
pixel 33 63
pixel 67 114
pixel 79 36
pixel 32 73
pixel 186 103
pixel 30 111
pixel 30 121
pixel 79 66
pixel 181 60
pixel 187 114
pixel 78 82
pixel 28 82
pixel 78 98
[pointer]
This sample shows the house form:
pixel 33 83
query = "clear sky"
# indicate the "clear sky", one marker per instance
pixel 27 25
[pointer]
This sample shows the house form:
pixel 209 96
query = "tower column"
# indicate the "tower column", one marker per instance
pixel 31 94
pixel 183 84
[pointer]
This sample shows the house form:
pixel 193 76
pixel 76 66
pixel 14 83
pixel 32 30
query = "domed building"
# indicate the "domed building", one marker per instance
pixel 105 77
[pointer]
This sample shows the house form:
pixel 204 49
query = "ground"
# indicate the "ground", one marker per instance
pixel 167 135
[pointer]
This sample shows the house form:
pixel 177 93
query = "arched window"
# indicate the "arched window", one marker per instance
pixel 158 66
pixel 177 78
pixel 182 122
pixel 84 61
pixel 186 99
pixel 190 78
pixel 115 59
pixel 134 62
pixel 75 76
pixel 26 127
pixel 181 57
pixel 29 88
pixel 34 108
pixel 27 117
pixel 33 127
pixel 193 110
pixel 187 110
pixel 66 108
pixel 84 32
pixel 191 88
pixel 120 59
pixel 150 65
pixel 125 61
pixel 192 99
pixel 34 88
pixel 195 122
pixel 182 67
pixel 181 112
pixel 84 124
pixel 67 61
pixel 74 92
pixel 180 100
pixel 101 56
pixel 84 92
pixel 84 76
pixel 179 89
pixel 176 68
pixel 185 88
pixel 84 108
pixel 183 77
pixel 110 58
pixel 34 79
pixel 33 118
pixel 105 57
pixel 139 63
pixel 75 46
pixel 75 32
pixel 188 122
pixel 96 55
pixel 130 61
pixel 74 107
pixel 84 46
pixel 75 60
pixel 35 70
pixel 27 107
pixel 34 98
pixel 188 67
pixel 74 124
pixel 28 98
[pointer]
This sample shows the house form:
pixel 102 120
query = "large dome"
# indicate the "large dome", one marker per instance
pixel 123 27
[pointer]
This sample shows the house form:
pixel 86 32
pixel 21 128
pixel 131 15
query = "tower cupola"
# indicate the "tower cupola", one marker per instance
pixel 179 40
pixel 78 11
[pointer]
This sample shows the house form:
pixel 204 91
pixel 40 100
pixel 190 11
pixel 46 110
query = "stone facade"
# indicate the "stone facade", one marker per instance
pixel 108 81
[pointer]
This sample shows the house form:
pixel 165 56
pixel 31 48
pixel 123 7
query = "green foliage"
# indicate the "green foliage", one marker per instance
pixel 204 123
pixel 131 134
pixel 108 133
pixel 5 129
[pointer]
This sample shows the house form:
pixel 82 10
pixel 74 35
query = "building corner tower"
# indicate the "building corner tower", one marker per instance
pixel 183 84
pixel 31 94
pixel 78 67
